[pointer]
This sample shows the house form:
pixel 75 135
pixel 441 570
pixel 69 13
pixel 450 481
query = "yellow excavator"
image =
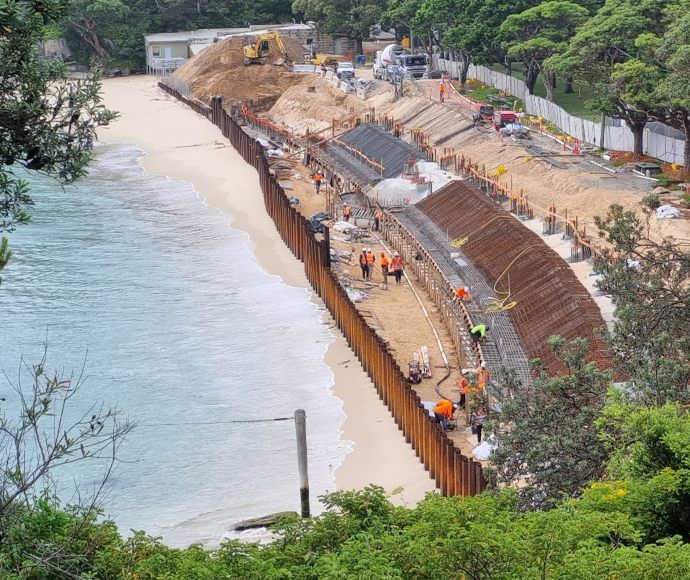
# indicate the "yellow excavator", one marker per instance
pixel 257 51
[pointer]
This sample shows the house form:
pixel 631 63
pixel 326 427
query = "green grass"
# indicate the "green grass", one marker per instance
pixel 573 103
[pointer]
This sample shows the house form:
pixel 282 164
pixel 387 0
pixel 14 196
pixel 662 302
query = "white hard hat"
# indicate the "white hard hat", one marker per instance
pixel 483 365
pixel 396 254
pixel 467 288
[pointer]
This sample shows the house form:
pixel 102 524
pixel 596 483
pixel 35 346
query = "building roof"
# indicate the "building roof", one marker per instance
pixel 191 35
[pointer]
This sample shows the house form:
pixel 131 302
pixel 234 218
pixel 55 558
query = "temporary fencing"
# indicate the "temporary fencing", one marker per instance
pixel 453 472
pixel 666 144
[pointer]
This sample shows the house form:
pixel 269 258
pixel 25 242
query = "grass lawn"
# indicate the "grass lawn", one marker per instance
pixel 573 103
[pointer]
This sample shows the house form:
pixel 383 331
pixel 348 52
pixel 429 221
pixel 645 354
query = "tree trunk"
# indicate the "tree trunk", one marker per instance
pixel 531 74
pixel 86 27
pixel 466 61
pixel 568 89
pixel 637 128
pixel 686 151
pixel 549 83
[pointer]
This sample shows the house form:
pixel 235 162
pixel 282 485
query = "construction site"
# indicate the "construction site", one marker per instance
pixel 510 217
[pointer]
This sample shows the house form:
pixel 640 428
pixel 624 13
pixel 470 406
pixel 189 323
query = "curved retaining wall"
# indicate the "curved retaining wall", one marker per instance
pixel 454 473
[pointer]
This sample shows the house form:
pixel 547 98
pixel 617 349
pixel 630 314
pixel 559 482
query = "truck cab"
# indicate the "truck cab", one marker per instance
pixel 345 70
pixel 414 65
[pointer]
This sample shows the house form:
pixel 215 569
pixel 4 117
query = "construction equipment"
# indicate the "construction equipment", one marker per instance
pixel 328 60
pixel 426 365
pixel 257 51
pixel 502 118
pixel 414 373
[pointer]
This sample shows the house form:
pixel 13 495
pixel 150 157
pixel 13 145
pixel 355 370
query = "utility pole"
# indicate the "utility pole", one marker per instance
pixel 301 430
pixel 603 130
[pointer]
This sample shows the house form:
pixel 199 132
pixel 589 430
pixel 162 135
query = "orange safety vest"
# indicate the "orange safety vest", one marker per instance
pixel 363 261
pixel 397 263
pixel 464 386
pixel 462 293
pixel 379 214
pixel 384 261
pixel 318 177
pixel 483 377
pixel 346 210
pixel 444 408
pixel 442 88
pixel 371 259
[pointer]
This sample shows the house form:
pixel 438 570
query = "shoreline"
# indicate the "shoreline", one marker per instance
pixel 181 145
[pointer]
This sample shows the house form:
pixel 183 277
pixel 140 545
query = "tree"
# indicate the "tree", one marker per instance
pixel 599 45
pixel 47 123
pixel 42 430
pixel 351 18
pixel 649 283
pixel 540 32
pixel 670 56
pixel 549 440
pixel 89 17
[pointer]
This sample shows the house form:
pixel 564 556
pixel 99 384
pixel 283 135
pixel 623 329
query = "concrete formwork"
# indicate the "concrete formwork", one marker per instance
pixel 549 298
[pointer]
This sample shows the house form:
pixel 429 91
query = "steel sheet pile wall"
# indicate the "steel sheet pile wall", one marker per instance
pixel 550 298
pixel 454 473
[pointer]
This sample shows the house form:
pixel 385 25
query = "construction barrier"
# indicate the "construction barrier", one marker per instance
pixel 453 472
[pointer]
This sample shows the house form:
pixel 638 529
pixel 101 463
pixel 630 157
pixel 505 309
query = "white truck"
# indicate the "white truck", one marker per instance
pixel 394 60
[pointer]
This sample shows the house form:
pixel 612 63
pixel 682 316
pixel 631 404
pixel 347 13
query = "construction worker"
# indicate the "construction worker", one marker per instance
pixel 323 69
pixel 463 294
pixel 371 262
pixel 442 91
pixel 477 420
pixel 378 216
pixel 385 262
pixel 318 178
pixel 478 332
pixel 397 265
pixel 465 388
pixel 443 412
pixel 483 376
pixel 346 212
pixel 364 264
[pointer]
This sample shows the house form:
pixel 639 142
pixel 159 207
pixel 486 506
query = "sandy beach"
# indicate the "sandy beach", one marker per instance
pixel 184 146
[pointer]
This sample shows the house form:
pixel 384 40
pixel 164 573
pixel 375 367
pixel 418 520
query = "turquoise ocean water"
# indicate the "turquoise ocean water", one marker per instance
pixel 184 332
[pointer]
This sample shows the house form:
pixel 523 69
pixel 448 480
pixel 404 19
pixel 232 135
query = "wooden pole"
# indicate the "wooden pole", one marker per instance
pixel 301 430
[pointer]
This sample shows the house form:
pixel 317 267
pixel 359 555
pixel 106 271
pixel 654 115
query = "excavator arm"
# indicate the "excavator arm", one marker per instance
pixel 257 51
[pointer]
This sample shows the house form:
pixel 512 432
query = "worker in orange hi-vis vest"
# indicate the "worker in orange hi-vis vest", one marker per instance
pixel 364 264
pixel 443 412
pixel 378 216
pixel 318 179
pixel 371 262
pixel 483 376
pixel 385 262
pixel 463 294
pixel 346 213
pixel 465 389
pixel 397 265
pixel 442 91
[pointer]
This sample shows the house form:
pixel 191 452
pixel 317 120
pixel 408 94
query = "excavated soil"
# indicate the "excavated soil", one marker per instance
pixel 580 188
pixel 218 70
pixel 315 111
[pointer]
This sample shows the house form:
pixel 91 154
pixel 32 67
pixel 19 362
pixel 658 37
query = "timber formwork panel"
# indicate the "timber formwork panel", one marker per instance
pixel 550 299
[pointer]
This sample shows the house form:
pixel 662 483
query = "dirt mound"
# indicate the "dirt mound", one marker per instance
pixel 218 70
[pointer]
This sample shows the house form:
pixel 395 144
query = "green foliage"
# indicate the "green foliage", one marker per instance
pixel 351 18
pixel 649 283
pixel 541 32
pixel 47 124
pixel 549 440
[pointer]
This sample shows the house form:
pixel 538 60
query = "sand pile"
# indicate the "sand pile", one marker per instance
pixel 300 109
pixel 219 70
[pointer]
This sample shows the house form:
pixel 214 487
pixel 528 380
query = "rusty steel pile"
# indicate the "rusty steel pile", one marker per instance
pixel 549 298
